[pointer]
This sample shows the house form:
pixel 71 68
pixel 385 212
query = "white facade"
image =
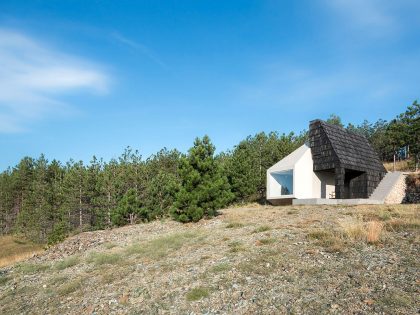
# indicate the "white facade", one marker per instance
pixel 294 178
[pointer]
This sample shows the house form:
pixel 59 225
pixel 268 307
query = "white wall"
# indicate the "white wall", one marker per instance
pixel 323 185
pixel 306 183
pixel 303 171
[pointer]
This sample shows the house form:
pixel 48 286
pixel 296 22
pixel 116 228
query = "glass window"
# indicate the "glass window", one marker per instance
pixel 285 180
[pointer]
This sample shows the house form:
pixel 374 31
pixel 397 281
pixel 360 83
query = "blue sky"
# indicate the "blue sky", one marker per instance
pixel 79 78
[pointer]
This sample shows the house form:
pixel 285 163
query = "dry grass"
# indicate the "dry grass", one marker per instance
pixel 374 231
pixel 399 166
pixel 267 241
pixel 355 229
pixel 330 240
pixel 236 246
pixel 15 249
pixel 262 228
pixel 234 225
pixel 70 287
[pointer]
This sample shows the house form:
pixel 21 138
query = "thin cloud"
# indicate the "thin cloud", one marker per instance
pixel 138 47
pixel 33 76
pixel 377 18
pixel 298 89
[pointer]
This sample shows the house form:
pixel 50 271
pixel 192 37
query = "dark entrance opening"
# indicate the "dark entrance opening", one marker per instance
pixel 354 186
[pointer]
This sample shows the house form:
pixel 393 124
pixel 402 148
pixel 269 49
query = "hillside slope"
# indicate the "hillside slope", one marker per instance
pixel 254 260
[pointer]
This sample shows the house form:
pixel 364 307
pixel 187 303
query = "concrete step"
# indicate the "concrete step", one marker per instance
pixel 385 186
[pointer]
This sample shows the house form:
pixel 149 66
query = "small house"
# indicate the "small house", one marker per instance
pixel 335 163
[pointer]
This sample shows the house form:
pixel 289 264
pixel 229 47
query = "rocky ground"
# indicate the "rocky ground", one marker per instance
pixel 250 260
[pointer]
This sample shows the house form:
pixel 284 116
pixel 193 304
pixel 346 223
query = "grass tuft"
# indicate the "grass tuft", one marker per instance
pixel 221 267
pixel 398 225
pixel 109 245
pixel 234 225
pixel 3 279
pixel 99 259
pixel 197 294
pixel 262 228
pixel 69 287
pixel 163 246
pixel 267 241
pixel 357 230
pixel 330 241
pixel 28 268
pixel 67 262
pixel 235 247
pixel 374 231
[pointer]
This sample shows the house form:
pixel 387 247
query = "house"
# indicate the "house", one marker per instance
pixel 335 164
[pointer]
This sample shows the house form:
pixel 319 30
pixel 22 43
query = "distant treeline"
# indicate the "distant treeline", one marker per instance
pixel 47 200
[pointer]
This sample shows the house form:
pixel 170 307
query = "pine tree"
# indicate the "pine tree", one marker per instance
pixel 128 209
pixel 204 188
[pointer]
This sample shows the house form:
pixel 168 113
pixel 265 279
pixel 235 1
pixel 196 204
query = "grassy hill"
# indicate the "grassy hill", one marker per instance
pixel 255 259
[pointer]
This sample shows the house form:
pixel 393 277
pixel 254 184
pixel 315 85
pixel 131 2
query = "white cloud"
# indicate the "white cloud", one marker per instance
pixel 33 76
pixel 138 47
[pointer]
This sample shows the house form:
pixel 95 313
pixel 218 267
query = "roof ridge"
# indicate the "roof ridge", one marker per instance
pixel 340 127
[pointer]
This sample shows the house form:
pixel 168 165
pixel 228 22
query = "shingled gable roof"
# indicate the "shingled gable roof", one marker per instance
pixel 353 151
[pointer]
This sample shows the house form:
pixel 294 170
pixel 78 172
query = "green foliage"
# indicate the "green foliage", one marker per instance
pixel 250 159
pixel 58 233
pixel 128 209
pixel 204 188
pixel 335 120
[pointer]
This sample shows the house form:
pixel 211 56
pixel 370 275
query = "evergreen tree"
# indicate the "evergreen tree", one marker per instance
pixel 204 188
pixel 411 124
pixel 335 120
pixel 128 209
pixel 249 161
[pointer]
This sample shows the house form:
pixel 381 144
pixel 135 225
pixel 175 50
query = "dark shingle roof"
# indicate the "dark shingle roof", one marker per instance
pixel 349 149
